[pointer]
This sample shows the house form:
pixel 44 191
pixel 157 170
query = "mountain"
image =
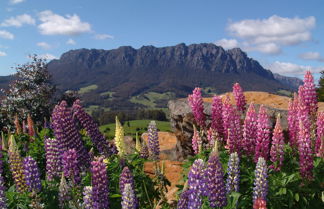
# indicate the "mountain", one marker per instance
pixel 149 76
pixel 289 81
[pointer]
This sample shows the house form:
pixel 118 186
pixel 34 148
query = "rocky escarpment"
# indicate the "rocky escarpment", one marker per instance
pixel 182 121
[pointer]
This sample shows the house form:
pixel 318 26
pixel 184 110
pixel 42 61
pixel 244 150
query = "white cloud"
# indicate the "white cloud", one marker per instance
pixel 290 69
pixel 2 54
pixel 54 24
pixel 18 21
pixel 227 43
pixel 70 42
pixel 16 1
pixel 103 36
pixel 47 56
pixel 269 35
pixel 6 35
pixel 44 45
pixel 312 56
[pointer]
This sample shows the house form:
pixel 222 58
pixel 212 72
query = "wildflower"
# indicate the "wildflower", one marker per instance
pixel 3 198
pixel 99 181
pixel 277 148
pixel 70 166
pixel 87 197
pixel 263 135
pixel 126 177
pixel 153 141
pixel 53 163
pixel 217 117
pixel 292 119
pixel 239 97
pixel 32 175
pixel 250 131
pixel 233 173
pixel 260 189
pixel 197 106
pixel 196 184
pixel 64 192
pixel 119 138
pixel 128 198
pixel 196 141
pixel 309 93
pixel 144 151
pixel 30 123
pixel 305 152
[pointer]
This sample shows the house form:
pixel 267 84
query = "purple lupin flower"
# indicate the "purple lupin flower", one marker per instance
pixel 32 175
pixel 196 184
pixel 92 130
pixel 53 164
pixel 309 93
pixel 260 189
pixel 277 147
pixel 233 173
pixel 64 192
pixel 197 106
pixel 67 134
pixel 128 198
pixel 250 131
pixel 305 152
pixel 183 200
pixel 144 151
pixel 99 181
pixel 87 197
pixel 3 198
pixel 239 97
pixel 70 166
pixel 319 143
pixel 292 119
pixel 263 135
pixel 196 141
pixel 217 117
pixel 153 141
pixel 215 182
pixel 126 177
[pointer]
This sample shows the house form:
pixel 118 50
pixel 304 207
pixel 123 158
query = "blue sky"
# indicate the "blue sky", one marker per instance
pixel 284 36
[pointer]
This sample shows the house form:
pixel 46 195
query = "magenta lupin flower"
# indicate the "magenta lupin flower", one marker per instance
pixel 99 181
pixel 292 119
pixel 197 106
pixel 319 144
pixel 226 115
pixel 32 175
pixel 305 152
pixel 239 97
pixel 217 117
pixel 309 93
pixel 3 198
pixel 263 135
pixel 196 141
pixel 53 163
pixel 250 131
pixel 277 147
pixel 304 117
pixel 70 166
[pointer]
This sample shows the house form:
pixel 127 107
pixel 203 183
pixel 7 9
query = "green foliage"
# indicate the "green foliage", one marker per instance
pixel 320 90
pixel 87 89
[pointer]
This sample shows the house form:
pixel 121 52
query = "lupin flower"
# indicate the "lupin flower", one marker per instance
pixel 32 175
pixel 250 130
pixel 263 135
pixel 119 138
pixel 196 141
pixel 309 93
pixel 305 152
pixel 30 122
pixel 16 166
pixel 3 198
pixel 212 136
pixel 183 200
pixel 87 197
pixel 53 163
pixel 67 134
pixel 153 141
pixel 239 97
pixel 260 204
pixel 227 116
pixel 260 189
pixel 292 119
pixel 24 127
pixel 17 125
pixel 217 117
pixel 138 146
pixel 128 198
pixel 70 166
pixel 277 147
pixel 126 177
pixel 215 182
pixel 233 173
pixel 92 129
pixel 99 181
pixel 144 151
pixel 196 184
pixel 64 192
pixel 197 106
pixel 319 144
pixel 303 115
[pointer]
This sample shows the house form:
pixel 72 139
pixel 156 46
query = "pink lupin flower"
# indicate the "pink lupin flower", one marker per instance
pixel 303 115
pixel 319 144
pixel 217 118
pixel 292 119
pixel 250 130
pixel 309 93
pixel 239 97
pixel 305 152
pixel 226 111
pixel 196 141
pixel 232 123
pixel 263 135
pixel 197 106
pixel 277 147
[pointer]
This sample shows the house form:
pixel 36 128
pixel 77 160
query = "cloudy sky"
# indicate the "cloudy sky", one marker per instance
pixel 286 36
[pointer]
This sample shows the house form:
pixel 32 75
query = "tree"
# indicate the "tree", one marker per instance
pixel 31 92
pixel 320 90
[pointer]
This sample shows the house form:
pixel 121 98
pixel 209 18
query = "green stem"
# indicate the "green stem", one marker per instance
pixel 148 198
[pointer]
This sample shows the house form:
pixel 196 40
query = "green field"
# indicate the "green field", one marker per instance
pixel 150 99
pixel 87 89
pixel 139 126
